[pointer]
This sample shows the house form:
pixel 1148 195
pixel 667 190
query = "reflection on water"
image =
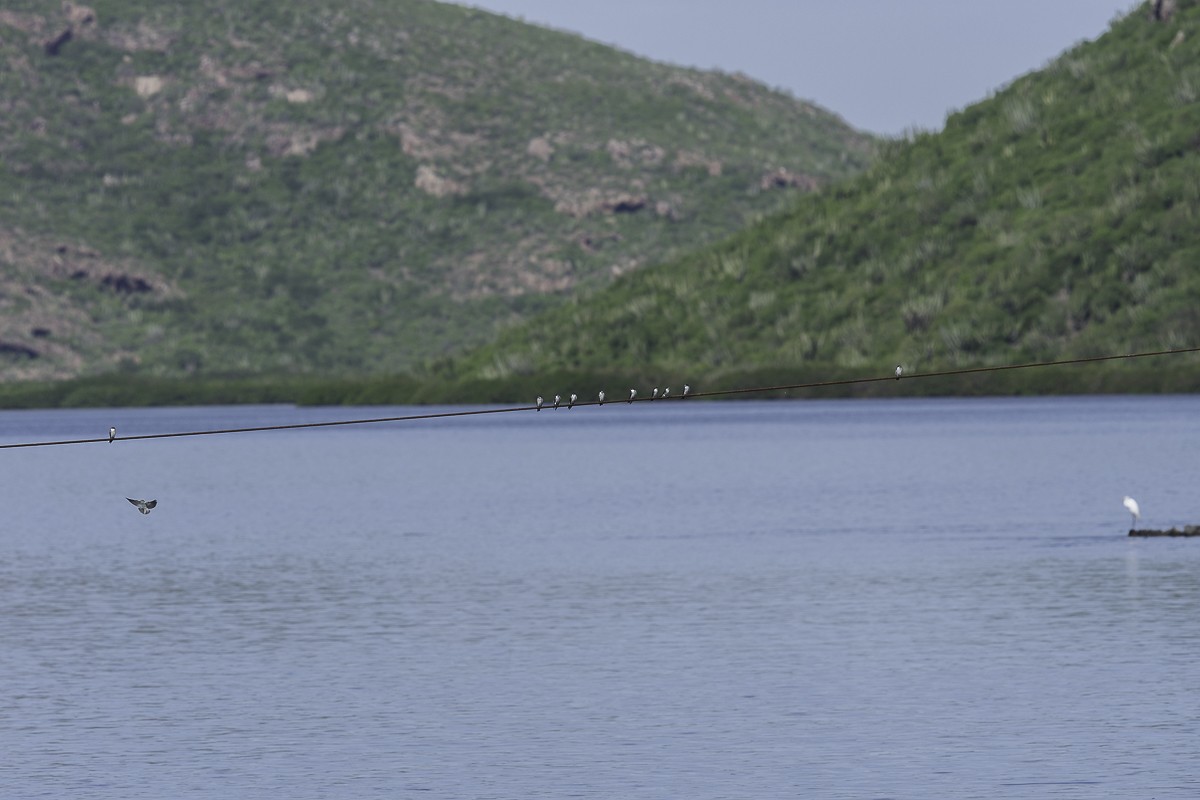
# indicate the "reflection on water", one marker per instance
pixel 835 599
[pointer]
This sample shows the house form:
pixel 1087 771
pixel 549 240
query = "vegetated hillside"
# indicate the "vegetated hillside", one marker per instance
pixel 349 187
pixel 1059 218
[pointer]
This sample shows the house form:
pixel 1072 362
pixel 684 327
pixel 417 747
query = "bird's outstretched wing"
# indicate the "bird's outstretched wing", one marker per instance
pixel 151 503
pixel 135 502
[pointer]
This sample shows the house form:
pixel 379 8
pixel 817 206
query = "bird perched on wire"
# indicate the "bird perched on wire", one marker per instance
pixel 112 434
pixel 143 506
pixel 899 371
pixel 539 402
pixel 557 399
pixel 571 402
pixel 632 394
pixel 1132 506
pixel 686 389
pixel 654 396
pixel 601 397
pixel 666 392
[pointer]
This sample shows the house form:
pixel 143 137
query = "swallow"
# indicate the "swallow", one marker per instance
pixel 686 389
pixel 655 395
pixel 632 394
pixel 143 506
pixel 557 400
pixel 899 371
pixel 112 434
pixel 571 402
pixel 666 392
pixel 601 397
pixel 539 402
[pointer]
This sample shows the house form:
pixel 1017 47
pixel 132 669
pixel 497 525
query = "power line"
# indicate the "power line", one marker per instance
pixel 613 402
pixel 952 372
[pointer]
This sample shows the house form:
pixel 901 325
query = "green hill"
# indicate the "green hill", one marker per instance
pixel 1058 218
pixel 312 187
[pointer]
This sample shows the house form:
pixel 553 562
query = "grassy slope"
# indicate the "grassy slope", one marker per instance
pixel 1058 218
pixel 360 186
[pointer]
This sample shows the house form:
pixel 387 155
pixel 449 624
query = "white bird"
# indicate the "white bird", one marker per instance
pixel 539 402
pixel 601 397
pixel 899 371
pixel 632 394
pixel 1132 505
pixel 557 400
pixel 143 506
pixel 655 395
pixel 686 389
pixel 112 434
pixel 571 402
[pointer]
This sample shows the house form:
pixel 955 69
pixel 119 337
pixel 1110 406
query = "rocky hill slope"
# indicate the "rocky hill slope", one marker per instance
pixel 1055 219
pixel 350 188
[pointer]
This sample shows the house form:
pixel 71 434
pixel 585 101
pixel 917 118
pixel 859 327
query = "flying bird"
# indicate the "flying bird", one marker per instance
pixel 143 506
pixel 557 399
pixel 539 402
pixel 112 434
pixel 632 394
pixel 601 397
pixel 1132 505
pixel 571 402
pixel 899 371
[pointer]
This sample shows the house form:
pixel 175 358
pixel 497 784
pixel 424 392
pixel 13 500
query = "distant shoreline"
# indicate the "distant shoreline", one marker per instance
pixel 133 390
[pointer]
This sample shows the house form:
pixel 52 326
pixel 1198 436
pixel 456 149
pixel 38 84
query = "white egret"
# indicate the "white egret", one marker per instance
pixel 1132 505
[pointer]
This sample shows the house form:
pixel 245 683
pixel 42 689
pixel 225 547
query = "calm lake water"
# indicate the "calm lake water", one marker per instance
pixel 904 598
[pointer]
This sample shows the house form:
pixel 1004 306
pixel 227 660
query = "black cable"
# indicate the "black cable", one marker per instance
pixel 615 401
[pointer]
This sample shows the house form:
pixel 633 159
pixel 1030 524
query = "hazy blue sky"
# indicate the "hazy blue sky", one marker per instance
pixel 883 65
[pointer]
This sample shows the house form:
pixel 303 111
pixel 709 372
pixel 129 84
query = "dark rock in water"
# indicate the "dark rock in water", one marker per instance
pixel 1188 530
